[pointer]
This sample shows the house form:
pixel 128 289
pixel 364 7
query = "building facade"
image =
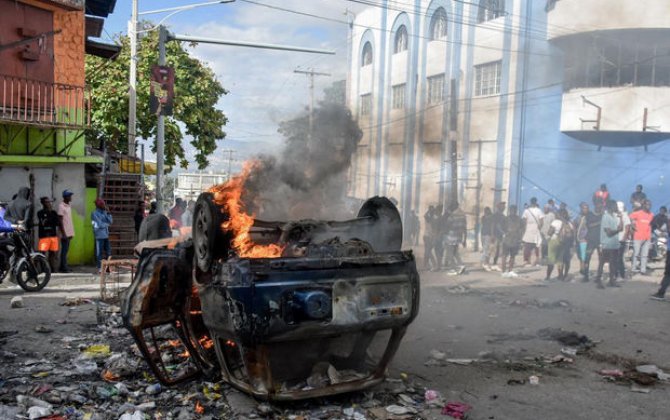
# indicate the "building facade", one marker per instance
pixel 190 185
pixel 44 105
pixel 501 100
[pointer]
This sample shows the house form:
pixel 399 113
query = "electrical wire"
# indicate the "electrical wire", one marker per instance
pixel 446 41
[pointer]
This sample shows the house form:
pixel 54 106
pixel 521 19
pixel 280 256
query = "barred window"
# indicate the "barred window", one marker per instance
pixel 399 96
pixel 400 40
pixel 438 25
pixel 366 104
pixel 487 78
pixel 490 9
pixel 436 89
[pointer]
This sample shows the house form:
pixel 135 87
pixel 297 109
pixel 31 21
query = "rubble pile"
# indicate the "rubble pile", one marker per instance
pixel 99 374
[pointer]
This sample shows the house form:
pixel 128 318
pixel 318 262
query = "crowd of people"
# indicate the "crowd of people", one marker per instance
pixel 55 228
pixel 551 236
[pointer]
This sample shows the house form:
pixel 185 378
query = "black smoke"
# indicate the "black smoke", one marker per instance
pixel 308 179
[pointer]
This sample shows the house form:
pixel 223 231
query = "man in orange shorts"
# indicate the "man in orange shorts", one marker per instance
pixel 48 222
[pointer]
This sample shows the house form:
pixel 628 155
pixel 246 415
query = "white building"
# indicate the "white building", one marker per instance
pixel 190 185
pixel 563 94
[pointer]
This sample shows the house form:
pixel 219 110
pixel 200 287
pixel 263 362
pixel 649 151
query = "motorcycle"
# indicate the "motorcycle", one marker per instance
pixel 28 269
pixel 659 245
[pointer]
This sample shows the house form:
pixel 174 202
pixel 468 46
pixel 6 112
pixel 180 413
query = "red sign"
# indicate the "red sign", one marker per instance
pixel 162 90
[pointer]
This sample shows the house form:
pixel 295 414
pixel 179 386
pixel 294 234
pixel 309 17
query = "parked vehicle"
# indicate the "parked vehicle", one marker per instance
pixel 20 264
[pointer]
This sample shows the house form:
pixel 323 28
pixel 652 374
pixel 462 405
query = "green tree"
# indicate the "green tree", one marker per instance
pixel 196 94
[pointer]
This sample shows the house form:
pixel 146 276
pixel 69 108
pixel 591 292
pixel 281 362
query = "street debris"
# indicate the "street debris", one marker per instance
pixel 534 380
pixel 75 301
pixel 16 302
pixel 576 343
pixel 641 389
pixel 456 410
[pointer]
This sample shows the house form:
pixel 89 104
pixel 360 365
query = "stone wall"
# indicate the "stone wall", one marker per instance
pixel 69 48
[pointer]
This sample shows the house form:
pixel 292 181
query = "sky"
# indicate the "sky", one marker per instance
pixel 263 88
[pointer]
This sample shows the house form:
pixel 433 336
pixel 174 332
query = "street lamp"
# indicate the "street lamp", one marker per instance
pixel 132 33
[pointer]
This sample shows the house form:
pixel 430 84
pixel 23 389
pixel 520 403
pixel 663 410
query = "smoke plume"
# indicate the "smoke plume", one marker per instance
pixel 308 179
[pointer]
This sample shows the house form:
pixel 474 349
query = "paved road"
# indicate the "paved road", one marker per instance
pixel 478 315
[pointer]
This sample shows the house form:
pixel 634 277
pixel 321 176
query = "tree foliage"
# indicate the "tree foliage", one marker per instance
pixel 196 93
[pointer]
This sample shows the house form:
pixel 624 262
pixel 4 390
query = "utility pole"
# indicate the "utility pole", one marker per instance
pixel 479 189
pixel 453 136
pixel 160 129
pixel 163 37
pixel 311 74
pixel 132 89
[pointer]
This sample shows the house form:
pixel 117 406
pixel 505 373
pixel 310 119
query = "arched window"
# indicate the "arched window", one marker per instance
pixel 366 56
pixel 400 40
pixel 490 9
pixel 438 25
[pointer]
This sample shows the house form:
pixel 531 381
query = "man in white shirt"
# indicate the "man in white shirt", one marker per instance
pixel 532 237
pixel 66 228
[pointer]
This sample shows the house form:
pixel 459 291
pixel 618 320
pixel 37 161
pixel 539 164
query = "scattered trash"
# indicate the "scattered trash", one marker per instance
pixel 648 369
pixel 463 362
pixel 561 359
pixel 456 410
pixel 84 365
pixel 16 302
pixel 516 382
pixel 437 355
pixel 42 329
pixel 137 415
pixel 569 351
pixel 97 350
pixel 611 373
pixel 641 389
pixel 568 338
pixel 75 301
pixel 37 412
pixel 534 380
pixel 430 395
pixel 153 389
pixel 264 409
pixel 399 410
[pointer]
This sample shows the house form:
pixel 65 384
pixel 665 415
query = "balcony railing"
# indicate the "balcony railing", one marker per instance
pixel 43 104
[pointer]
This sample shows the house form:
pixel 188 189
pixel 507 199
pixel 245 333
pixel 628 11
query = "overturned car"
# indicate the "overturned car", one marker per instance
pixel 324 315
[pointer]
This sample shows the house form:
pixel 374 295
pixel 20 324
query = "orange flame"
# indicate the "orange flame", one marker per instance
pixel 229 196
pixel 206 342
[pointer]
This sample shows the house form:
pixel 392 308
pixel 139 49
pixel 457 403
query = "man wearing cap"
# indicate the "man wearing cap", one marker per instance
pixel 101 220
pixel 66 228
pixel 47 231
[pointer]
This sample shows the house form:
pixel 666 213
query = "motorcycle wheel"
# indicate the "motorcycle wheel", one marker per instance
pixel 33 277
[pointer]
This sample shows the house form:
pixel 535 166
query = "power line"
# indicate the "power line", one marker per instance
pixel 390 31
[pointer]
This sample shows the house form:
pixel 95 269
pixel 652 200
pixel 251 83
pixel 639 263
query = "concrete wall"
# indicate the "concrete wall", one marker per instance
pixel 574 16
pixel 51 180
pixel 622 108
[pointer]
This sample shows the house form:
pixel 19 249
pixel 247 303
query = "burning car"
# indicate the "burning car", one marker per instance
pixel 281 310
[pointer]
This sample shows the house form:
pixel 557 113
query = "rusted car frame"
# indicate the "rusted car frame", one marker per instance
pixel 325 318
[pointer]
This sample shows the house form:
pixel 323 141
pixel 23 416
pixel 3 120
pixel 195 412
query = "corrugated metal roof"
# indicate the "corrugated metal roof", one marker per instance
pixel 101 49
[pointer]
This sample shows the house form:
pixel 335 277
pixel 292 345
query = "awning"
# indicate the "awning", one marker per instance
pixel 133 166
